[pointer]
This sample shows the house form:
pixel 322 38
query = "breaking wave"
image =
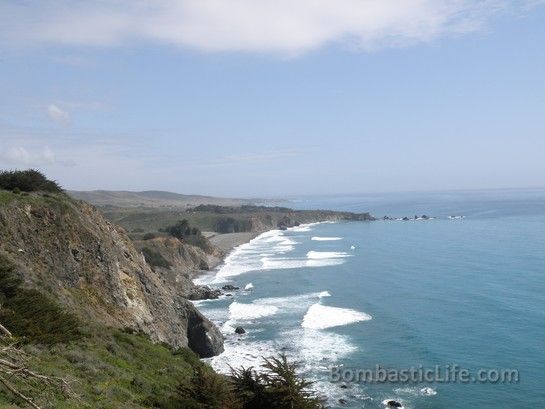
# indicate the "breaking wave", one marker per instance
pixel 320 317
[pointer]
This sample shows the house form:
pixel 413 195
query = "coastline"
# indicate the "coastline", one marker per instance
pixel 227 242
pixel 248 315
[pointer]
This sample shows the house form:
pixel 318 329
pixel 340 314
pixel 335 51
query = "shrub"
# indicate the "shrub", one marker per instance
pixel 206 389
pixel 149 236
pixel 191 235
pixel 27 181
pixel 180 230
pixel 154 258
pixel 278 387
pixel 32 315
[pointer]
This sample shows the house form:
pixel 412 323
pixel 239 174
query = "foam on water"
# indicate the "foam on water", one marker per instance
pixel 241 352
pixel 319 255
pixel 247 257
pixel 318 238
pixel 320 317
pixel 249 286
pixel 240 311
pixel 285 263
pixel 385 403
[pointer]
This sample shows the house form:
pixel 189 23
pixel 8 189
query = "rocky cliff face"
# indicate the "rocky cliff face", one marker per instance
pixel 68 249
pixel 185 261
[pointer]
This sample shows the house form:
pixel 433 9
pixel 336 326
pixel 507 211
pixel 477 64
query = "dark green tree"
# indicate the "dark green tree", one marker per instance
pixel 29 180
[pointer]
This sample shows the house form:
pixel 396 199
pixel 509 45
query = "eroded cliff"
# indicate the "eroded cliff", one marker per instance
pixel 67 248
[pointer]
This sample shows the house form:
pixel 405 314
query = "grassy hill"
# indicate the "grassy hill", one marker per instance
pixel 154 199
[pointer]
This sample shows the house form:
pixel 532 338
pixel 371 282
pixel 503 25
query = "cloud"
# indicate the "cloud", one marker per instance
pixel 19 155
pixel 57 114
pixel 273 26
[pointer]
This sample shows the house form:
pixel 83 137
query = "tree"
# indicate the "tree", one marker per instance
pixel 278 387
pixel 27 181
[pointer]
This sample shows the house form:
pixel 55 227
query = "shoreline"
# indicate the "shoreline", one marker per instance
pixel 227 243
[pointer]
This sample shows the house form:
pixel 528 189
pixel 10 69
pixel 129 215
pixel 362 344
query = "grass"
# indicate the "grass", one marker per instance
pixel 32 315
pixel 110 369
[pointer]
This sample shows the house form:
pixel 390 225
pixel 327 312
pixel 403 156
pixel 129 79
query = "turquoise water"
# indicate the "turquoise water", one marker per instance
pixel 465 291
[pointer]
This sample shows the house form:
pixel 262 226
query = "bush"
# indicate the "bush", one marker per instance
pixel 154 258
pixel 191 235
pixel 180 230
pixel 149 236
pixel 206 389
pixel 32 315
pixel 278 387
pixel 27 181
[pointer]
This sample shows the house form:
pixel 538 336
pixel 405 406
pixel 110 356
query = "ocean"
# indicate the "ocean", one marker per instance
pixel 464 289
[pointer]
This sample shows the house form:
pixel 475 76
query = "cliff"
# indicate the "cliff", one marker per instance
pixel 178 263
pixel 67 249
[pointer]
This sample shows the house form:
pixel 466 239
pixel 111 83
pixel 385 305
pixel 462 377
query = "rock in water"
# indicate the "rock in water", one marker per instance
pixel 240 330
pixel 229 287
pixel 203 293
pixel 393 404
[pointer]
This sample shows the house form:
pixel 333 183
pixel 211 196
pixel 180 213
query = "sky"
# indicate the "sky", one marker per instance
pixel 263 98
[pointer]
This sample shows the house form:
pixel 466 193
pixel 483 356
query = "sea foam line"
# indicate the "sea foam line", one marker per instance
pixel 321 317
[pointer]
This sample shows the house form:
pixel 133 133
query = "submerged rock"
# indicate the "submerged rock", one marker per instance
pixel 393 404
pixel 229 287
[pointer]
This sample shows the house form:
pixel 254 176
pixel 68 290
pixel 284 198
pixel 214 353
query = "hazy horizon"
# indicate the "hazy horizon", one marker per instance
pixel 275 99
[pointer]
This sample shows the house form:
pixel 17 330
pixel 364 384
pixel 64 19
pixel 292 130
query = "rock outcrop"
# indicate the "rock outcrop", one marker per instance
pixel 69 250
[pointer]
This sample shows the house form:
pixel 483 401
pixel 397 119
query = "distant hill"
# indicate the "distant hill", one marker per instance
pixel 156 199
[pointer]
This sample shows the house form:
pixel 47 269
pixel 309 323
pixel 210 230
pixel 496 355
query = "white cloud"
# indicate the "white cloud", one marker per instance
pixel 57 114
pixel 278 26
pixel 19 155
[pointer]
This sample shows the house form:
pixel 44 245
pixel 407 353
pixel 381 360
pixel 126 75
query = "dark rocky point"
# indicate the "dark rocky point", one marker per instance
pixel 229 287
pixel 203 293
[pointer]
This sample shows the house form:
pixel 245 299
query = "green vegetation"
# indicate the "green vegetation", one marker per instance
pixel 278 387
pixel 226 224
pixel 149 236
pixel 240 209
pixel 111 369
pixel 154 258
pixel 27 181
pixel 31 315
pixel 191 235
